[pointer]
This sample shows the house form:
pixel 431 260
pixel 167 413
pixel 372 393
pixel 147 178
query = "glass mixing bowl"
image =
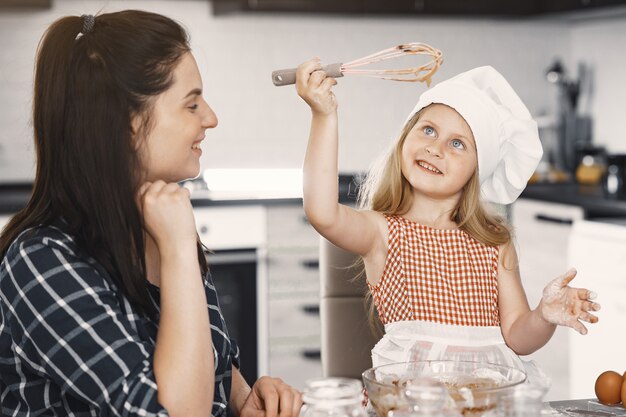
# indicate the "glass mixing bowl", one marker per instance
pixel 474 388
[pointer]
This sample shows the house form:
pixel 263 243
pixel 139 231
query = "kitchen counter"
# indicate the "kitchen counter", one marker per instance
pixel 13 197
pixel 590 197
pixel 582 408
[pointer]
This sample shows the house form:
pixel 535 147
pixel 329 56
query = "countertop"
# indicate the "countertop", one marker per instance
pixel 582 408
pixel 591 198
pixel 14 196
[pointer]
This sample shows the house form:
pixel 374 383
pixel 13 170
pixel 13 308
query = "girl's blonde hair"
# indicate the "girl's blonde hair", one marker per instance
pixel 385 190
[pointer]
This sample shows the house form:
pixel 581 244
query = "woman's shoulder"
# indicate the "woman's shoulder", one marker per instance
pixel 51 256
pixel 42 238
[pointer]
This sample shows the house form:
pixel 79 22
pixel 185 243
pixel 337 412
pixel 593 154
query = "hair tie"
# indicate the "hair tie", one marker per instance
pixel 88 22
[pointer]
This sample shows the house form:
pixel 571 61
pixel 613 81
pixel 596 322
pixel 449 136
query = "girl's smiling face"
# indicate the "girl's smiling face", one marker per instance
pixel 439 153
pixel 179 118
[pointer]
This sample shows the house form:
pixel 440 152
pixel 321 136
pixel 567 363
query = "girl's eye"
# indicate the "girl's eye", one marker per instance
pixel 429 131
pixel 193 106
pixel 458 144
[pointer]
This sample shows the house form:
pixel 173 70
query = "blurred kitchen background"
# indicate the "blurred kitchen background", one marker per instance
pixel 565 58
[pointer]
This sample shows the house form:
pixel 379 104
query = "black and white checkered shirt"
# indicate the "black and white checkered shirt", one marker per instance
pixel 72 345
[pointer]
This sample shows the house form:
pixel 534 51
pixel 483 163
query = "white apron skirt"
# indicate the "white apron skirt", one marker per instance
pixel 417 340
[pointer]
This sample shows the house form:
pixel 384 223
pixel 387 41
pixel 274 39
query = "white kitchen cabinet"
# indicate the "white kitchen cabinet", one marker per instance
pixel 599 251
pixel 542 231
pixel 293 271
pixel 4 219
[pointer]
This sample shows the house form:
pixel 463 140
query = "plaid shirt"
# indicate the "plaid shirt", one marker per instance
pixel 71 344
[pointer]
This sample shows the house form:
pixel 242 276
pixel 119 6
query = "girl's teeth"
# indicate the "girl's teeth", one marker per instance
pixel 428 167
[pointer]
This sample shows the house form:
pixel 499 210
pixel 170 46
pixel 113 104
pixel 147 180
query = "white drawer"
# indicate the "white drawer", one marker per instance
pixel 292 319
pixel 291 365
pixel 289 227
pixel 232 227
pixel 294 273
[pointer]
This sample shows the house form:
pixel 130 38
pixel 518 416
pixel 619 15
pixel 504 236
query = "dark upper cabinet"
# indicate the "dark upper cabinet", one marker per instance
pixel 509 8
pixel 8 5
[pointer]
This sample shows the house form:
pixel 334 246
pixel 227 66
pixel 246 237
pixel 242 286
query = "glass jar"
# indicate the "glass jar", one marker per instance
pixel 333 397
pixel 525 401
pixel 426 397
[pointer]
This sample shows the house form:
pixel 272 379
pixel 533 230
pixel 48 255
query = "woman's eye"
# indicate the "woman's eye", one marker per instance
pixel 429 131
pixel 458 144
pixel 193 106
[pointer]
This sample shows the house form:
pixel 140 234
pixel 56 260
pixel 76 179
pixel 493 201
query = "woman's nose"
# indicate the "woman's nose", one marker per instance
pixel 210 118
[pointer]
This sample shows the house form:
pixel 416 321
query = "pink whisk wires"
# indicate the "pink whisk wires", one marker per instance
pixel 422 73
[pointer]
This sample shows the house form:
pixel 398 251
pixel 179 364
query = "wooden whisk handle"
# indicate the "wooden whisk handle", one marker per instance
pixel 288 76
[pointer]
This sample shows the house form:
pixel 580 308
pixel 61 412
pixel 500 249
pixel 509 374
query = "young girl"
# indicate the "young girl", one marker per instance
pixel 442 270
pixel 107 307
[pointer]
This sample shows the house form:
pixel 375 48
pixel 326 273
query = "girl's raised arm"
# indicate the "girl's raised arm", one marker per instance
pixel 353 230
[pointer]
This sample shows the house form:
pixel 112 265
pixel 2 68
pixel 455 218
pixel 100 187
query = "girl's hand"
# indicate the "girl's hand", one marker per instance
pixel 314 87
pixel 167 213
pixel 567 306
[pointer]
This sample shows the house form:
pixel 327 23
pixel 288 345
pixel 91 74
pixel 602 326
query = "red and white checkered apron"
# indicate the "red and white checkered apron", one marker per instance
pixel 438 298
pixel 437 275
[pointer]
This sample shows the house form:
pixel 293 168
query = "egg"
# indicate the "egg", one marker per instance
pixel 624 390
pixel 609 388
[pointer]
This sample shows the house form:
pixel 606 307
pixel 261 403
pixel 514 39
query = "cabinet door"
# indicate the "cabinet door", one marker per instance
pixel 542 231
pixel 599 251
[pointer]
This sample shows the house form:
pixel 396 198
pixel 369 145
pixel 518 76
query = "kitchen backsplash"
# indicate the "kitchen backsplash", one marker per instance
pixel 262 126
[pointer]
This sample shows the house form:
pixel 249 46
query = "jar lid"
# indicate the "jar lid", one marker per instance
pixel 343 390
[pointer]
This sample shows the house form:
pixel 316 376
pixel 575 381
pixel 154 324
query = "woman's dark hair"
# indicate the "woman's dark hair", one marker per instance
pixel 88 88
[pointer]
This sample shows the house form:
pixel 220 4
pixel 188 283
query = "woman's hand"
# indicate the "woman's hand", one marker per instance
pixel 314 87
pixel 271 397
pixel 567 306
pixel 167 213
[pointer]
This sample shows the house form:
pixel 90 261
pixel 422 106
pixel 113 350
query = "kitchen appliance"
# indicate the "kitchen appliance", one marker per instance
pixel 591 164
pixel 613 181
pixel 573 127
pixel 236 237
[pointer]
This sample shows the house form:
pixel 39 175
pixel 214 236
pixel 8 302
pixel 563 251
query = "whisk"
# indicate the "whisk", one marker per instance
pixel 414 74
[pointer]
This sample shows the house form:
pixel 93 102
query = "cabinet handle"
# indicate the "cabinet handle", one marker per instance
pixel 311 264
pixel 552 219
pixel 314 354
pixel 234 257
pixel 311 309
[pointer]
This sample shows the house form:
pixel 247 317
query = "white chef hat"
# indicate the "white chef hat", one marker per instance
pixel 507 139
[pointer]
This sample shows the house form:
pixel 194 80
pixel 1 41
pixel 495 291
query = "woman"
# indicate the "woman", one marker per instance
pixel 104 285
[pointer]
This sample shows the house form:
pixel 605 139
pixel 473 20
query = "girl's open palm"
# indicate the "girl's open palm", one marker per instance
pixel 314 87
pixel 567 306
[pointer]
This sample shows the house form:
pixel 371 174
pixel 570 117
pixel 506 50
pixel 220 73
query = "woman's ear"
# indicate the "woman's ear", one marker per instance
pixel 136 127
pixel 135 123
